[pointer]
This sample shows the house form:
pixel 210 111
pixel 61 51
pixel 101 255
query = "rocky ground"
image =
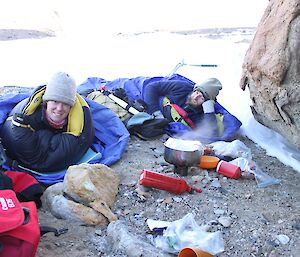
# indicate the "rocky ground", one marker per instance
pixel 253 221
pixel 261 221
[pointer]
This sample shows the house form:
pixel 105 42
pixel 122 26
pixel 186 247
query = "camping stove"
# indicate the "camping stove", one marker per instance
pixel 181 170
pixel 183 155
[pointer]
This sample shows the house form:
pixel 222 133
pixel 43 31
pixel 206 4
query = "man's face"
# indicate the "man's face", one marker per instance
pixel 57 111
pixel 195 99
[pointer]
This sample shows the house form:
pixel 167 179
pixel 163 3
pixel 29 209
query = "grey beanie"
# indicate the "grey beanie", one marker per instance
pixel 61 88
pixel 209 88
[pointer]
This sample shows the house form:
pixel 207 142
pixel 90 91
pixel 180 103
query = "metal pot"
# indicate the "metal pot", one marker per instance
pixel 182 154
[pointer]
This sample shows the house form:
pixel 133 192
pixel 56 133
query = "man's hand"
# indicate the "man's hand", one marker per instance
pixel 209 106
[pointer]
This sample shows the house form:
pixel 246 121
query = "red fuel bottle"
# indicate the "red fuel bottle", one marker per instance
pixel 163 182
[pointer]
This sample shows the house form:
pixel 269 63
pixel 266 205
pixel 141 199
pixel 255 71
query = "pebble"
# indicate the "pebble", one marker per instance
pixel 283 239
pixel 216 184
pixel 98 232
pixel 167 200
pixel 219 212
pixel 177 199
pixel 225 221
pixel 213 222
pixel 234 216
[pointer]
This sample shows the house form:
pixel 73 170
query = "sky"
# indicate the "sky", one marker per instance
pixel 125 39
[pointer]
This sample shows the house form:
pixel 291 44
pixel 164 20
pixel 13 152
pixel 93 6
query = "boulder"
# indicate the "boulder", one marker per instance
pixel 271 69
pixel 86 194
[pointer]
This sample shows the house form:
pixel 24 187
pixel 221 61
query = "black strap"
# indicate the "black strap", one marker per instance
pixel 3 156
pixel 57 232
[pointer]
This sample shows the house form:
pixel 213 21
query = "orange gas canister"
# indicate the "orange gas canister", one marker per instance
pixel 208 162
pixel 163 182
pixel 229 170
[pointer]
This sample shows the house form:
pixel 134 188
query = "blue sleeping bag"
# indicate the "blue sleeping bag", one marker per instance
pixel 111 136
pixel 134 88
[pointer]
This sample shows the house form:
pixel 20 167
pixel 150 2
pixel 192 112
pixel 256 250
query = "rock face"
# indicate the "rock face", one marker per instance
pixel 271 69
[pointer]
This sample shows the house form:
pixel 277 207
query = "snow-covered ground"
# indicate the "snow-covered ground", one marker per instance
pixel 134 38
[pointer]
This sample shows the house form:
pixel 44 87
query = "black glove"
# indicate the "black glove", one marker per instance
pixel 120 93
pixel 21 118
pixel 3 157
pixel 139 105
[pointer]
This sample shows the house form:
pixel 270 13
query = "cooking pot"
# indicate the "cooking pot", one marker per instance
pixel 183 153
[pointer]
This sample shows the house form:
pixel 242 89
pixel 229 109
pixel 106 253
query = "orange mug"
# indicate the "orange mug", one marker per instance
pixel 193 252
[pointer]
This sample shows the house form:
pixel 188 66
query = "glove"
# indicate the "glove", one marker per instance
pixel 120 93
pixel 21 119
pixel 139 104
pixel 158 115
pixel 208 106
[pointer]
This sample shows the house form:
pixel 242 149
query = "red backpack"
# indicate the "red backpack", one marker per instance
pixel 19 227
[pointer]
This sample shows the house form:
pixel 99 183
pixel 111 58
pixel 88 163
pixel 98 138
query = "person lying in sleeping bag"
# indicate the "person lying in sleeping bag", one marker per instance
pixel 50 130
pixel 192 109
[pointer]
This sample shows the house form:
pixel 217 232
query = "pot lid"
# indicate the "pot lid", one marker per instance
pixel 183 145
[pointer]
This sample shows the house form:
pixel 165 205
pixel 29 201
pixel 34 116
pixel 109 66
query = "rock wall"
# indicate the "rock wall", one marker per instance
pixel 271 69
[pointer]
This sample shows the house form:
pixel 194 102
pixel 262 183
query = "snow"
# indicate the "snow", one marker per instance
pixel 133 38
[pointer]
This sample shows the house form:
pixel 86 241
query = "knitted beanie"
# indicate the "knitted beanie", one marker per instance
pixel 209 88
pixel 61 88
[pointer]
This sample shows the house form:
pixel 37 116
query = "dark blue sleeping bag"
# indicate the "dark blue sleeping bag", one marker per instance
pixel 134 88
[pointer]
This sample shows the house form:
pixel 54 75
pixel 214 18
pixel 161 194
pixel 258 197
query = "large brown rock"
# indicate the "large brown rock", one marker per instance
pixel 86 195
pixel 271 69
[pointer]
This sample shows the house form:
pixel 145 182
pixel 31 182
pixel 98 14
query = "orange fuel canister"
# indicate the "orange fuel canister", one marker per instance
pixel 163 182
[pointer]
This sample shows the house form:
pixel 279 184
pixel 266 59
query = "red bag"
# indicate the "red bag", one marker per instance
pixel 19 227
pixel 26 187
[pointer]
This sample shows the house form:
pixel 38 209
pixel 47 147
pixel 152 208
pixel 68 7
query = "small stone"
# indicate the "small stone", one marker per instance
pixel 98 232
pixel 213 222
pixel 247 196
pixel 283 239
pixel 167 200
pixel 177 199
pixel 225 221
pixel 126 211
pixel 216 184
pixel 219 212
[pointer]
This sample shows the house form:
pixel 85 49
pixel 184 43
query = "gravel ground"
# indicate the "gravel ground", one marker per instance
pixel 263 221
pixel 260 218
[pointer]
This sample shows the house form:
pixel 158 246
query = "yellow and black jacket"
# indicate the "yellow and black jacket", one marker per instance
pixel 36 145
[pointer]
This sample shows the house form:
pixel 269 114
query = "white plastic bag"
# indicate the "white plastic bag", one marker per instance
pixel 233 149
pixel 250 167
pixel 185 232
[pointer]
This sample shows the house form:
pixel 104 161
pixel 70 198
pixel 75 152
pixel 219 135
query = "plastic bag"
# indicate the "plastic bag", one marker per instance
pixel 185 232
pixel 249 167
pixel 233 149
pixel 263 179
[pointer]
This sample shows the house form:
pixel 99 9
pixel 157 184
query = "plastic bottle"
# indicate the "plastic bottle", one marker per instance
pixel 163 182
